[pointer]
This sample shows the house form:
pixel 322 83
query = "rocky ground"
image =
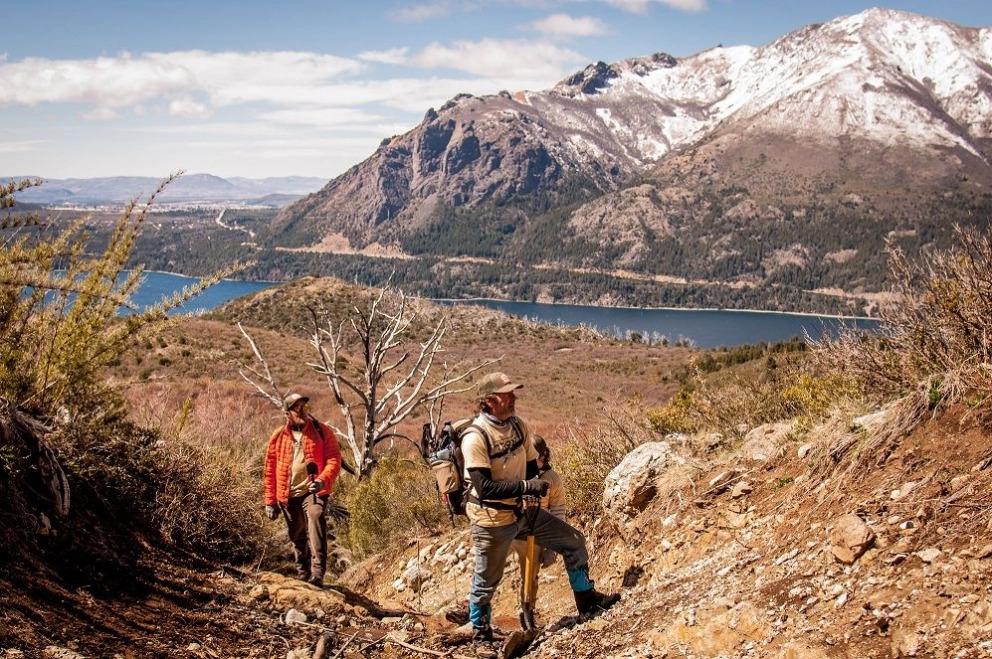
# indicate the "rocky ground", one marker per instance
pixel 772 549
pixel 844 540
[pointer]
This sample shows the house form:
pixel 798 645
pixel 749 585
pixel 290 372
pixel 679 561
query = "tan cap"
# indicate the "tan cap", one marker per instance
pixel 496 383
pixel 292 399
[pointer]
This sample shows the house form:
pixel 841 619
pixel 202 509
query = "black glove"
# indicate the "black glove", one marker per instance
pixel 315 486
pixel 536 487
pixel 271 512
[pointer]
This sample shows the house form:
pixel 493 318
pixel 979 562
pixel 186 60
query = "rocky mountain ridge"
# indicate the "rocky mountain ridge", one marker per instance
pixel 895 79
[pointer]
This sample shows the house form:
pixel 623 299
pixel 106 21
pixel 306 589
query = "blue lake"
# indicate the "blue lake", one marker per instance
pixel 706 329
pixel 159 285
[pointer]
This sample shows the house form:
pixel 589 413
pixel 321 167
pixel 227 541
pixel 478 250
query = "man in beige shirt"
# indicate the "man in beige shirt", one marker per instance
pixel 501 465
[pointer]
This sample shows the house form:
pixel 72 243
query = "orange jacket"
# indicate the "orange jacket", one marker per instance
pixel 316 448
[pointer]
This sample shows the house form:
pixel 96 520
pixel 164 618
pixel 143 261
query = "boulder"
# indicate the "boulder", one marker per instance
pixel 850 538
pixel 764 442
pixel 633 483
pixel 287 593
pixel 415 576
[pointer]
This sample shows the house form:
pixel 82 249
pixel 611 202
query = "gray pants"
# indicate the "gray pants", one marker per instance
pixel 307 528
pixel 492 545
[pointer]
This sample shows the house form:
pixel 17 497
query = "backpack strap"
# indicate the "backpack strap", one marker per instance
pixel 483 434
pixel 517 443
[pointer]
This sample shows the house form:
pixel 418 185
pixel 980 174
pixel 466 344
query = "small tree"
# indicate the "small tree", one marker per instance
pixel 396 376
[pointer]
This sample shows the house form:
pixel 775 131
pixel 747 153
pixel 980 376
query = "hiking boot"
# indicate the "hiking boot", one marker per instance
pixel 467 633
pixel 592 602
pixel 457 615
pixel 316 581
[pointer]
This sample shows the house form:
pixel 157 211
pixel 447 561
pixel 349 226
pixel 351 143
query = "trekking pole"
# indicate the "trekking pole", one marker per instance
pixel 517 643
pixel 311 476
pixel 528 584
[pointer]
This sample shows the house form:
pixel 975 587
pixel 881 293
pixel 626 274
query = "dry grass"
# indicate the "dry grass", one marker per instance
pixel 587 454
pixel 935 347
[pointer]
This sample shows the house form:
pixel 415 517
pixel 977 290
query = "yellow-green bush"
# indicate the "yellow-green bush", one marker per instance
pixel 399 499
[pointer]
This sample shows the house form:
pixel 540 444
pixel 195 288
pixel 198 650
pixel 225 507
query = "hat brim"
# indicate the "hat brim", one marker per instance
pixel 507 388
pixel 301 399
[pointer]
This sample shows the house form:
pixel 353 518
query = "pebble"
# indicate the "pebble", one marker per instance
pixel 294 617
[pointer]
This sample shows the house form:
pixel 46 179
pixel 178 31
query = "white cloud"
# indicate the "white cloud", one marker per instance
pixel 22 146
pixel 126 80
pixel 641 6
pixel 563 25
pixel 391 56
pixel 514 63
pixel 436 9
pixel 188 108
pixel 100 114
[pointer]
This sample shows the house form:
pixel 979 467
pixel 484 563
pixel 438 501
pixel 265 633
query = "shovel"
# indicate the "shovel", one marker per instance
pixel 518 642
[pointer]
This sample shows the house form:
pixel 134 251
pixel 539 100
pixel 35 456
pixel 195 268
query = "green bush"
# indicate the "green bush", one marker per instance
pixel 397 500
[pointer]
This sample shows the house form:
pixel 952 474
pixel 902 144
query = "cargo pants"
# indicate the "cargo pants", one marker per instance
pixel 492 546
pixel 307 527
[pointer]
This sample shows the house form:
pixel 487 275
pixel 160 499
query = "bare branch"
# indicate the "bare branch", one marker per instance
pixel 263 382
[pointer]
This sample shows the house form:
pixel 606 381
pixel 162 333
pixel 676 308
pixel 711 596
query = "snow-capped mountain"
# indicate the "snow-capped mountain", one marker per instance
pixel 872 103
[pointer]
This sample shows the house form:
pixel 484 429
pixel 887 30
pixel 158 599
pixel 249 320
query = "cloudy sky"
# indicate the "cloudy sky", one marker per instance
pixel 268 88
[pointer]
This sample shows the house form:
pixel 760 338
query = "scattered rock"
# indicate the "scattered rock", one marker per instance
pixel 906 643
pixel 850 538
pixel 958 482
pixel 55 652
pixel 415 576
pixel 871 423
pixel 804 451
pixel 299 653
pixel 294 617
pixel 258 594
pixel 903 491
pixel 721 481
pixel 985 552
pixel 764 442
pixel 929 555
pixel 743 488
pixel 632 483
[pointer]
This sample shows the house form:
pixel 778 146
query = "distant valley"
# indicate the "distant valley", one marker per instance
pixel 272 191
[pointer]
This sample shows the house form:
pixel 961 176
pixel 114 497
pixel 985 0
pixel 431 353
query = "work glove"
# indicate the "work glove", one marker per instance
pixel 315 486
pixel 271 512
pixel 547 557
pixel 536 487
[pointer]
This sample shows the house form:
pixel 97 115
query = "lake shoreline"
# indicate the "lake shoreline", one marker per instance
pixel 562 304
pixel 806 314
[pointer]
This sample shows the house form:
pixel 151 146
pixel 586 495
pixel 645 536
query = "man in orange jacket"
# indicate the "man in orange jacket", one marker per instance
pixel 301 464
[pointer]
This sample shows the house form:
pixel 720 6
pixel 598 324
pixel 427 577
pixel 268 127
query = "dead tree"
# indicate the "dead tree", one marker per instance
pixel 392 381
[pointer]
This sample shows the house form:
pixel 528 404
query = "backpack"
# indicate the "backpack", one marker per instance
pixel 444 455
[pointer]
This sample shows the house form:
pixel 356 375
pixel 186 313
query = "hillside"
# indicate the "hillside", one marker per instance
pixel 790 163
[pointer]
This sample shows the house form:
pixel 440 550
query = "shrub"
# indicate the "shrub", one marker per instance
pixel 397 499
pixel 733 406
pixel 588 454
pixel 936 337
pixel 59 331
